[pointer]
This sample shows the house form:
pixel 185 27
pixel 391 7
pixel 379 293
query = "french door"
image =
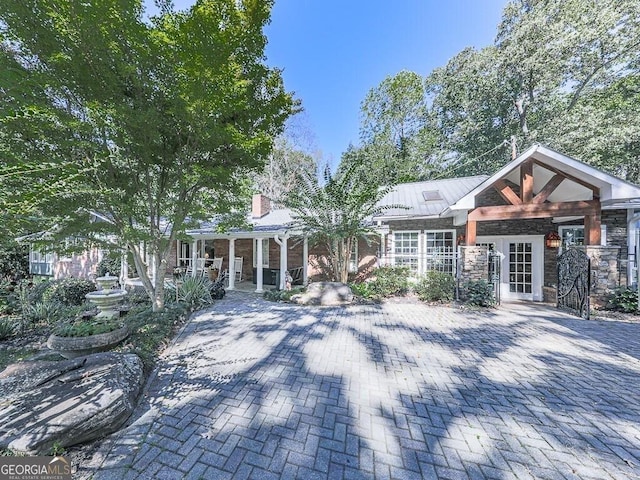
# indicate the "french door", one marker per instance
pixel 522 265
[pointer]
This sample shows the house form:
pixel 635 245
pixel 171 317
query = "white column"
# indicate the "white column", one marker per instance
pixel 194 256
pixel 232 263
pixel 124 269
pixel 283 262
pixel 259 261
pixel 305 260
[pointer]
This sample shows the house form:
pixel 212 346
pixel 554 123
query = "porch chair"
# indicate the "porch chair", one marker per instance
pixel 217 263
pixel 238 268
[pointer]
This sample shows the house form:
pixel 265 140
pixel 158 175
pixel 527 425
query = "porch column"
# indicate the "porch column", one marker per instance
pixel 470 239
pixel 259 261
pixel 124 269
pixel 592 231
pixel 283 262
pixel 194 256
pixel 232 264
pixel 305 260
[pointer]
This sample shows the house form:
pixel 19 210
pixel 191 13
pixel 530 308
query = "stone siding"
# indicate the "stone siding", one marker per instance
pixel 474 264
pixel 604 272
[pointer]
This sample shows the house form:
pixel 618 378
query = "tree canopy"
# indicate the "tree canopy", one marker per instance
pixel 151 123
pixel 565 74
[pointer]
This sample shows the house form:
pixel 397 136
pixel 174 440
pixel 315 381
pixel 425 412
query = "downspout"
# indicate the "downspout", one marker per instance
pixel 630 248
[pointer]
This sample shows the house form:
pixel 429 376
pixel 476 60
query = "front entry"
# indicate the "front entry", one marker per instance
pixel 522 265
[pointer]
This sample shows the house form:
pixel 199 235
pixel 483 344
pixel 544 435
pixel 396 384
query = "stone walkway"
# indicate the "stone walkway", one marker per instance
pixel 253 389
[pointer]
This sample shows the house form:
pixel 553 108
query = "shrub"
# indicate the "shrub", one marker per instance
pixel 109 264
pixel 151 331
pixel 36 290
pixel 195 292
pixel 282 295
pixel 390 281
pixel 478 292
pixel 6 328
pixel 68 291
pixel 42 312
pixel 623 299
pixel 85 328
pixel 436 286
pixel 362 289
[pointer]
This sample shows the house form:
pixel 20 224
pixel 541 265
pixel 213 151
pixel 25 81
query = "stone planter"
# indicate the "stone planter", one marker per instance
pixel 72 347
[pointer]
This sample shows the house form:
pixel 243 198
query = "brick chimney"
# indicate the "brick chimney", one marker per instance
pixel 260 206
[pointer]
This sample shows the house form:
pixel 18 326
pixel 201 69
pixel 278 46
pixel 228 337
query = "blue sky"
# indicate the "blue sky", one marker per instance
pixel 333 52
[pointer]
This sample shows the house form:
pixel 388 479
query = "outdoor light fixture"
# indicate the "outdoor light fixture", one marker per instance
pixel 460 239
pixel 552 240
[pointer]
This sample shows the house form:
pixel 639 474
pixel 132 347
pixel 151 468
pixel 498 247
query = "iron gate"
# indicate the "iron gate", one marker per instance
pixel 495 262
pixel 574 280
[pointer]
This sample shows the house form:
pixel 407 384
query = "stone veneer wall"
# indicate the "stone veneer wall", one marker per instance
pixel 604 272
pixel 474 263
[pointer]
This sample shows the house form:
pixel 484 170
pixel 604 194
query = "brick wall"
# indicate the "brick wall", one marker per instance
pixel 80 265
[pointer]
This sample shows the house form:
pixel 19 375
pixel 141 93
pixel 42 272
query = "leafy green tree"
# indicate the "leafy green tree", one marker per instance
pixel 560 73
pixel 396 136
pixel 334 213
pixel 152 124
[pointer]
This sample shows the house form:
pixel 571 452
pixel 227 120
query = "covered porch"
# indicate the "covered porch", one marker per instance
pixel 251 260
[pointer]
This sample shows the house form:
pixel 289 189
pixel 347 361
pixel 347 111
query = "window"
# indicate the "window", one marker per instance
pixel 440 251
pixel 265 253
pixel 184 254
pixel 574 235
pixel 40 263
pixel 405 249
pixel 353 258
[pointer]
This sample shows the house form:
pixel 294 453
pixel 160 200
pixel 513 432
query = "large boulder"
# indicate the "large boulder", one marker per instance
pixel 325 293
pixel 67 402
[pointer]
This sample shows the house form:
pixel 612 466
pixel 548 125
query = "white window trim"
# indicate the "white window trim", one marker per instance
pixel 265 253
pixel 453 247
pixel 44 258
pixel 603 233
pixel 419 253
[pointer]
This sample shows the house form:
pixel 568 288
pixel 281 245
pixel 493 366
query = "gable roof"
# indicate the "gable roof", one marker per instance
pixel 613 190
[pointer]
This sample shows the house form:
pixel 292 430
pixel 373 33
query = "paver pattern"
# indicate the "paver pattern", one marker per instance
pixel 253 389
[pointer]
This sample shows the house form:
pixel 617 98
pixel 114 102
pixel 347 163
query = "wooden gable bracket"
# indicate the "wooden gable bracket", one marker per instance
pixel 506 192
pixel 594 189
pixel 548 189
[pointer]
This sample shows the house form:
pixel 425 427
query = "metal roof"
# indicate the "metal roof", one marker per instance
pixel 412 195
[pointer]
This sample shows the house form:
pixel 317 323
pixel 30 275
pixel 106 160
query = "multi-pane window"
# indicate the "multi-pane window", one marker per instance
pixel 40 263
pixel 440 251
pixel 574 235
pixel 405 249
pixel 520 267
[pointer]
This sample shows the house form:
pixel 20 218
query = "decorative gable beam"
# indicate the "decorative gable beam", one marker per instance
pixel 507 194
pixel 548 189
pixel 594 189
pixel 526 182
pixel 545 210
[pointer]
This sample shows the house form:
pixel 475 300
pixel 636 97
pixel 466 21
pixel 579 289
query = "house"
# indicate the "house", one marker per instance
pixel 455 225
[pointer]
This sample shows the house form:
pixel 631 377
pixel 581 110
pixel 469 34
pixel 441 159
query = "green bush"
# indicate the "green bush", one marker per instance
pixel 68 291
pixel 151 331
pixel 362 289
pixel 282 295
pixel 478 292
pixel 390 282
pixel 6 328
pixel 84 328
pixel 109 264
pixel 623 299
pixel 35 291
pixel 194 292
pixel 42 312
pixel 436 286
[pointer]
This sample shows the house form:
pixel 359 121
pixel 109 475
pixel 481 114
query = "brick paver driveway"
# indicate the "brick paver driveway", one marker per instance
pixel 253 389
